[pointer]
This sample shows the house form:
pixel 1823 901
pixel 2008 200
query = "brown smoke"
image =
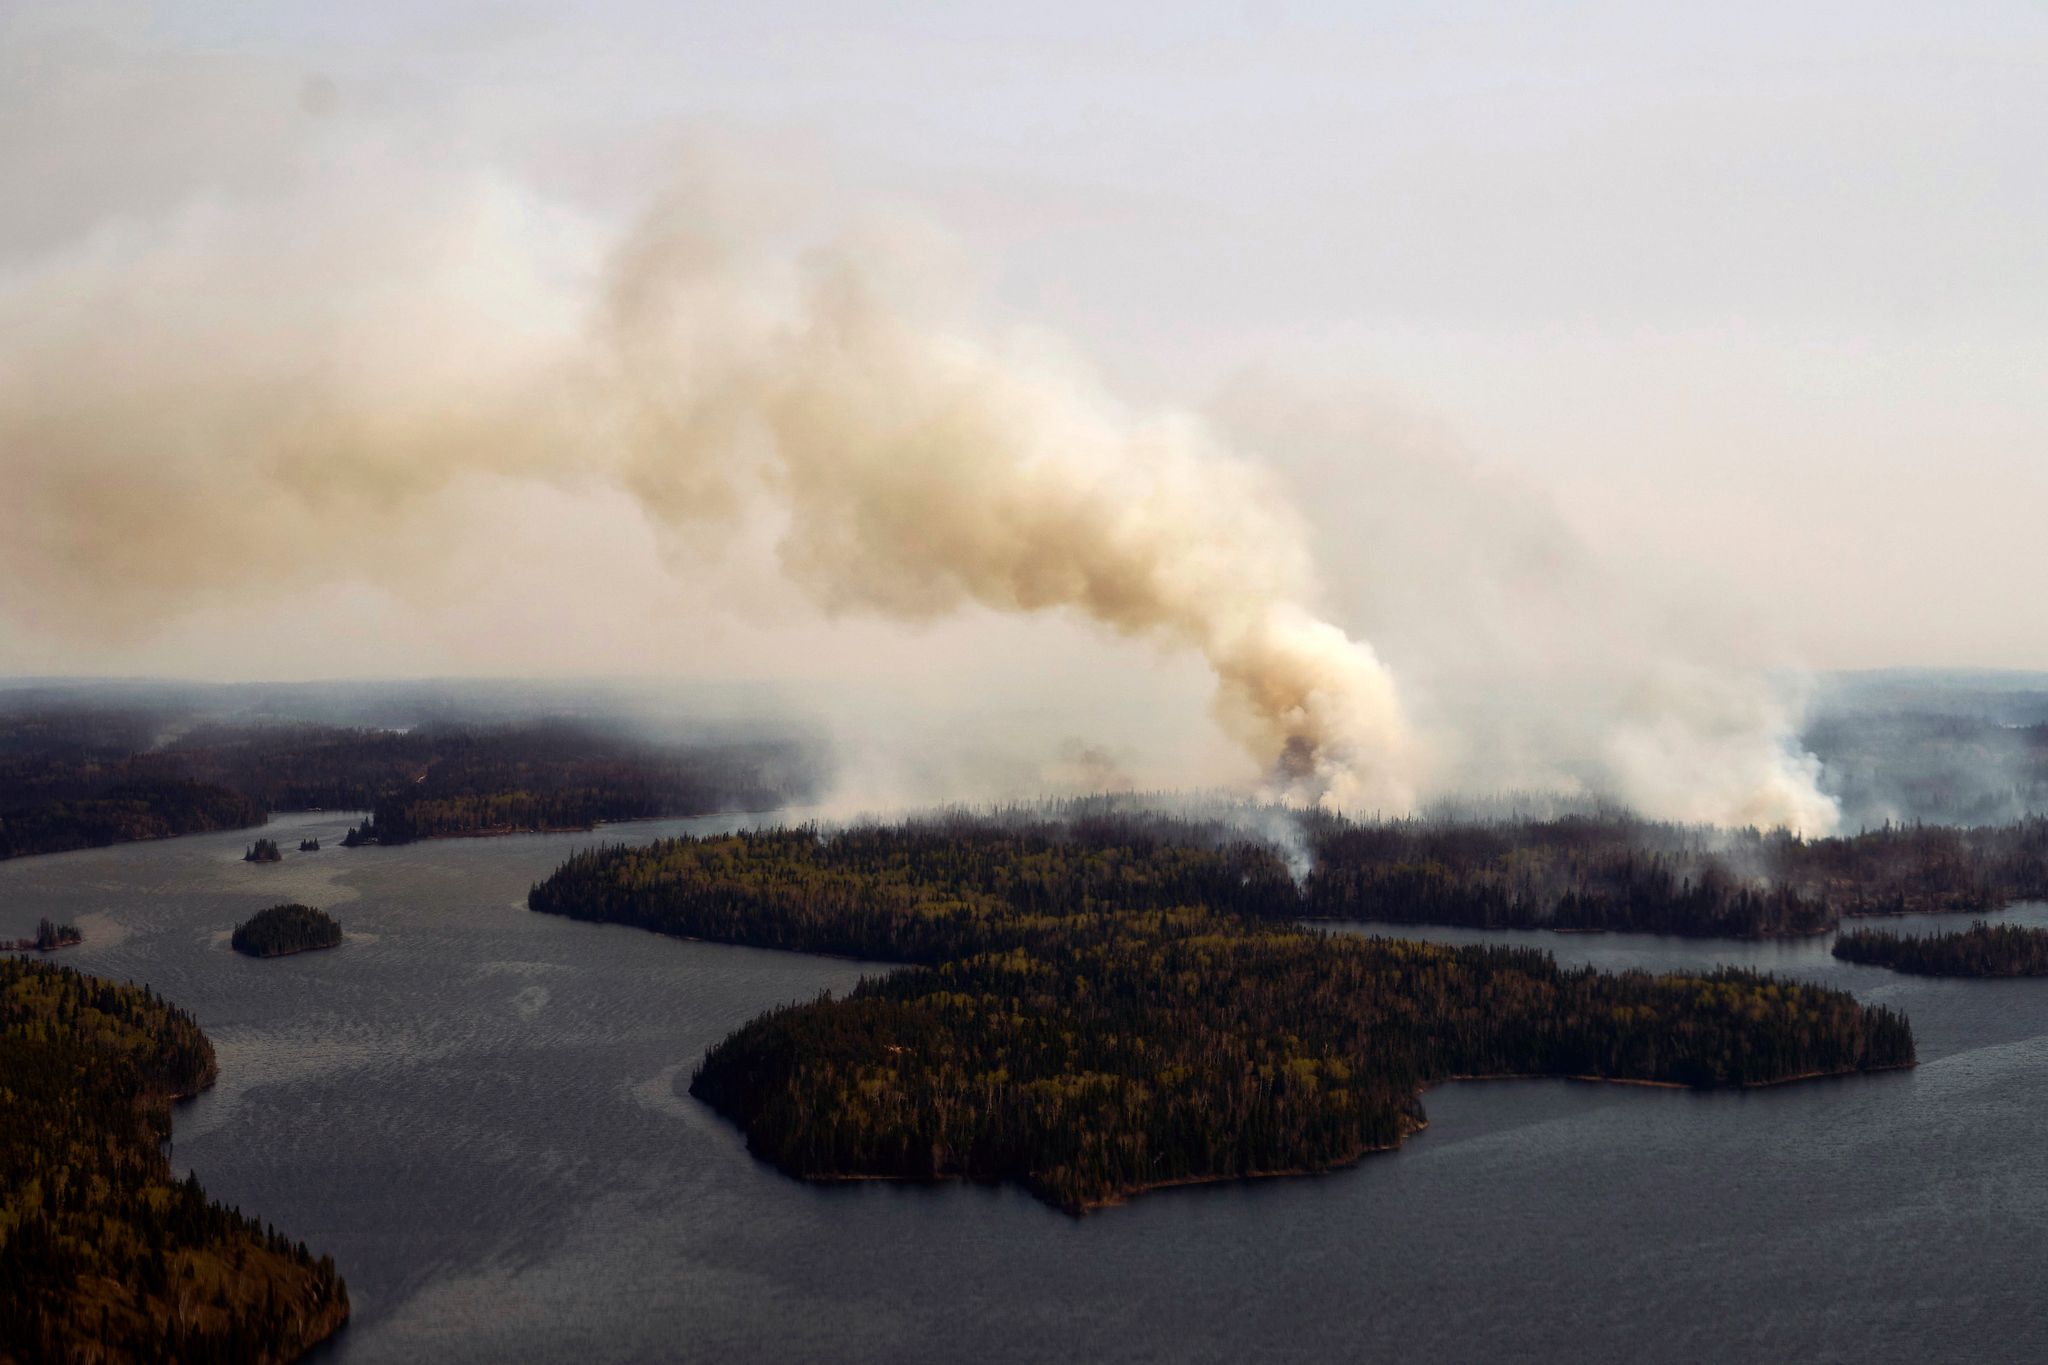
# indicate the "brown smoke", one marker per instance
pixel 920 471
pixel 294 359
pixel 248 402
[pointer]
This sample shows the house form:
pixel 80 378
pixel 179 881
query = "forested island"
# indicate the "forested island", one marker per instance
pixel 285 929
pixel 1602 871
pixel 49 937
pixel 264 851
pixel 1980 950
pixel 104 1256
pixel 1102 1006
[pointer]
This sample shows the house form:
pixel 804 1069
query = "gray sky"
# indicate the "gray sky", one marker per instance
pixel 1751 297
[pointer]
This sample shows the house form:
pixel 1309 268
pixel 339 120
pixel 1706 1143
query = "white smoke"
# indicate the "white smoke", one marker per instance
pixel 1530 665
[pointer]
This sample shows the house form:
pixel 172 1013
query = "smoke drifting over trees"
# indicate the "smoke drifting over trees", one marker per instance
pixel 385 353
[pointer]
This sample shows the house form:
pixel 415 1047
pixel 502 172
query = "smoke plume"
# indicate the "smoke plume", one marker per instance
pixel 919 470
pixel 209 412
pixel 375 362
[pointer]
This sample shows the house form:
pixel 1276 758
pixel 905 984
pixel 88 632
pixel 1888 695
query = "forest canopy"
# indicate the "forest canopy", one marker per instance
pixel 1612 871
pixel 1107 1005
pixel 284 929
pixel 103 1254
pixel 1579 872
pixel 1981 950
pixel 83 778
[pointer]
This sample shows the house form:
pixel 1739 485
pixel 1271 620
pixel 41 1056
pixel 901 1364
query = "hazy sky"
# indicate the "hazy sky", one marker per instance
pixel 1752 297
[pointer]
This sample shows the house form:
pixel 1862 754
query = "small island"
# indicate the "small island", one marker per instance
pixel 285 929
pixel 50 936
pixel 309 845
pixel 264 851
pixel 1980 950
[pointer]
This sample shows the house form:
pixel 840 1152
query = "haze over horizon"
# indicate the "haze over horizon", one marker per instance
pixel 1603 373
pixel 882 682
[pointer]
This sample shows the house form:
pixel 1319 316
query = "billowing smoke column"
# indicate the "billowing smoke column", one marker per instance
pixel 363 376
pixel 920 472
pixel 250 398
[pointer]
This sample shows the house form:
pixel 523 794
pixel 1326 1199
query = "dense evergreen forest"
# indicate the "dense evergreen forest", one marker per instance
pixel 104 1256
pixel 82 778
pixel 1616 872
pixel 924 891
pixel 284 929
pixel 554 777
pixel 1572 873
pixel 1110 1004
pixel 62 817
pixel 1980 950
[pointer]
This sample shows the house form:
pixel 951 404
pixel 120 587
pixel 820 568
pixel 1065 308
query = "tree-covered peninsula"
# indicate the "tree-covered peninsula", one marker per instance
pixel 284 929
pixel 104 1255
pixel 1099 1008
pixel 1980 950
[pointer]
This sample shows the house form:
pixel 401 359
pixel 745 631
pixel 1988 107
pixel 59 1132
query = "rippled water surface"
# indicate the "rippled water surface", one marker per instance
pixel 481 1113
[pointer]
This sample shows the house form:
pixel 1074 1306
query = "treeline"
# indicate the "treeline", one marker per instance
pixel 854 893
pixel 1904 869
pixel 104 1256
pixel 1980 950
pixel 284 929
pixel 1616 872
pixel 561 778
pixel 83 779
pixel 1580 873
pixel 1104 1010
pixel 95 814
pixel 923 891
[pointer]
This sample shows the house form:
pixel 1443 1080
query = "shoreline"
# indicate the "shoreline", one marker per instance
pixel 289 952
pixel 1410 1126
pixel 1395 928
pixel 1384 928
pixel 1596 1080
pixel 509 831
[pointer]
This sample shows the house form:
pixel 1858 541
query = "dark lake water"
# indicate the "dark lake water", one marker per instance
pixel 480 1112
